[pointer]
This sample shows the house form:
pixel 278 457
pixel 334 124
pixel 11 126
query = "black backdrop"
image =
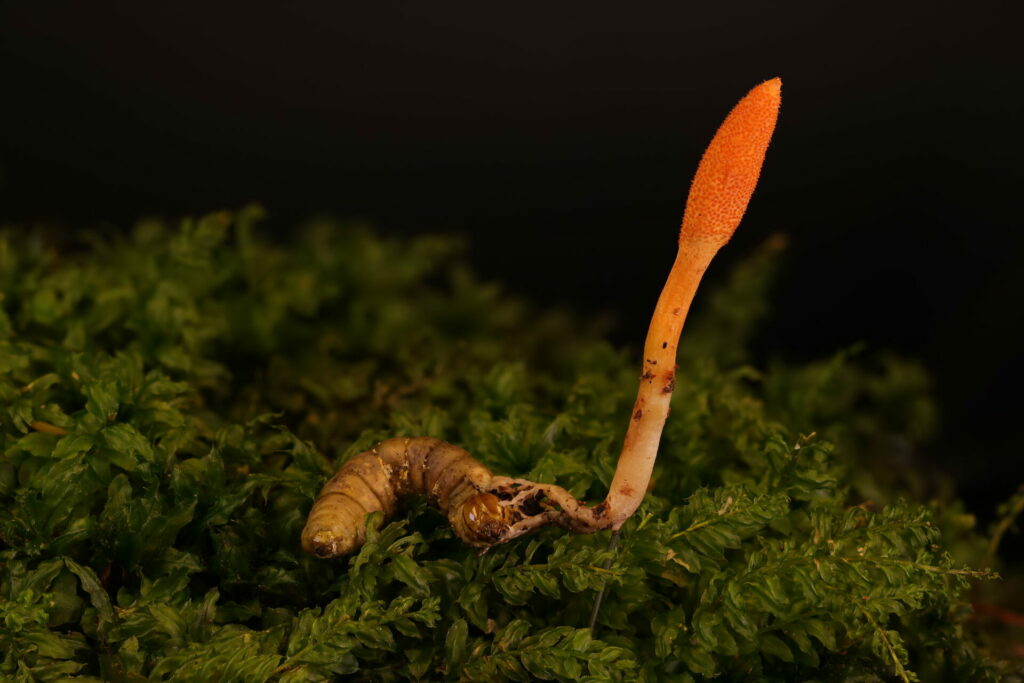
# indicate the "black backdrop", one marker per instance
pixel 561 137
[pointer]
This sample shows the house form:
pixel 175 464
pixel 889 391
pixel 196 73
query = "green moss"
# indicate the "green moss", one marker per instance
pixel 209 381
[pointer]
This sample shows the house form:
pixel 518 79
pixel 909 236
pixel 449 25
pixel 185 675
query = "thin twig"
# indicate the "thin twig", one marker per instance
pixel 612 543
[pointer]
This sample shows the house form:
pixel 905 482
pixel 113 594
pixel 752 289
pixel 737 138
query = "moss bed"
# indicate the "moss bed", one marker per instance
pixel 173 399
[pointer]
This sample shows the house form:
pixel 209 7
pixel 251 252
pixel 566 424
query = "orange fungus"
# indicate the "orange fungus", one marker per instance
pixel 729 169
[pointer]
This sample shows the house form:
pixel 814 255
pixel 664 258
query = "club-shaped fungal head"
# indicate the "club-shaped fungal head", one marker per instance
pixel 729 169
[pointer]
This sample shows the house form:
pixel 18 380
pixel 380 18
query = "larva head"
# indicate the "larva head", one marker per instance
pixel 329 540
pixel 481 520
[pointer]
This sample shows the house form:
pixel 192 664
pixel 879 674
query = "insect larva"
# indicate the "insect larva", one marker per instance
pixel 377 479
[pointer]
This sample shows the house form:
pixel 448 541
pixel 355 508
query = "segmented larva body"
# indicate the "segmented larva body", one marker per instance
pixel 377 479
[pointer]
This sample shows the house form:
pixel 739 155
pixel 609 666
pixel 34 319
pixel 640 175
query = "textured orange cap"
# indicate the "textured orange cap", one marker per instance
pixel 729 169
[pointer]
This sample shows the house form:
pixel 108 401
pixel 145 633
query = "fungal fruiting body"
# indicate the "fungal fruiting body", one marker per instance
pixel 718 198
pixel 486 510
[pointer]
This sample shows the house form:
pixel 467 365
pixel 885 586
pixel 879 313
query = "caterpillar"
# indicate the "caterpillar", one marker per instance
pixel 378 479
pixel 484 509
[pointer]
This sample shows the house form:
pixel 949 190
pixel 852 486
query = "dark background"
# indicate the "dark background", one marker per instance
pixel 560 138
